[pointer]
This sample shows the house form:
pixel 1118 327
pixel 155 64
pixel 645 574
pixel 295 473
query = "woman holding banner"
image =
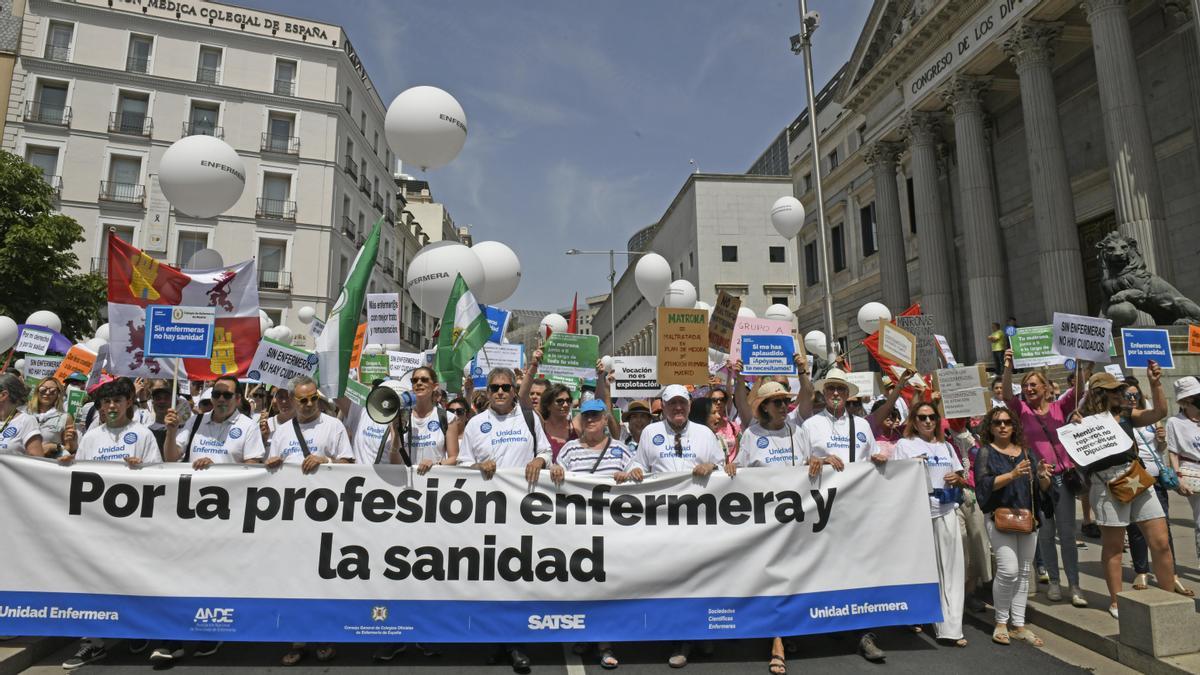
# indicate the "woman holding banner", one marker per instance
pixel 19 431
pixel 1117 495
pixel 1041 415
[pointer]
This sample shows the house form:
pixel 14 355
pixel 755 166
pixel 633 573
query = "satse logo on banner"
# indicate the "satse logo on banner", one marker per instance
pixel 557 621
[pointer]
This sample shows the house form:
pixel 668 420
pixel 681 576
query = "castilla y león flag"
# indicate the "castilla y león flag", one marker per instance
pixel 136 280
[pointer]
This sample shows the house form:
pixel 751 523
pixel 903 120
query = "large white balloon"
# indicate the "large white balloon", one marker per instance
pixel 747 313
pixel 20 365
pixel 283 333
pixel 700 304
pixel 306 314
pixel 787 215
pixel 264 323
pixel 425 126
pixel 8 333
pixel 501 272
pixel 607 362
pixel 102 332
pixel 432 272
pixel 552 323
pixel 202 176
pixel 870 314
pixel 94 345
pixel 653 277
pixel 681 293
pixel 778 312
pixel 44 317
pixel 205 259
pixel 814 342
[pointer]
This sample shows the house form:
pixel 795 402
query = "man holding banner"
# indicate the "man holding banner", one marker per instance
pixel 313 438
pixel 223 436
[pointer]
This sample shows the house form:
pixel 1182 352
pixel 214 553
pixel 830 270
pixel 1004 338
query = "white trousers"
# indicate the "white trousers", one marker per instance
pixel 1014 559
pixel 1194 500
pixel 952 566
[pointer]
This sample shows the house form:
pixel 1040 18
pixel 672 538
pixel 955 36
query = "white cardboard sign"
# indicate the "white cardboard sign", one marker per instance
pixel 1093 439
pixel 1082 337
pixel 635 377
pixel 383 318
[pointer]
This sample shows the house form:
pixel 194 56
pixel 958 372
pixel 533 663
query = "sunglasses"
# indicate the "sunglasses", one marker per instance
pixel 424 379
pixel 455 410
pixel 718 399
pixel 776 402
pixel 1131 396
pixel 927 418
pixel 1002 423
pixel 562 401
pixel 47 392
pixel 222 395
pixel 499 387
pixel 592 416
pixel 307 400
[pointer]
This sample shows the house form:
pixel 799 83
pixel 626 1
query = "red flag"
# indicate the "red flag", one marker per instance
pixel 135 278
pixel 872 345
pixel 573 322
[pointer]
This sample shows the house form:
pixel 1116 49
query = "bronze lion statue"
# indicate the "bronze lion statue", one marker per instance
pixel 1129 287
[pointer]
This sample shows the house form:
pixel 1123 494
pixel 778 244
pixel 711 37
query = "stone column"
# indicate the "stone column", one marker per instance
pixel 1140 212
pixel 987 282
pixel 893 263
pixel 1030 48
pixel 933 237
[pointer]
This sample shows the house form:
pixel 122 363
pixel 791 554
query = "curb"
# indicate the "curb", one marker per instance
pixel 22 653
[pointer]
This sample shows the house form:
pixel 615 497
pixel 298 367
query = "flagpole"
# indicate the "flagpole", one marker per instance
pixel 175 382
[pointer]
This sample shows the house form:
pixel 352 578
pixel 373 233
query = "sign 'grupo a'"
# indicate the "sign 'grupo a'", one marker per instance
pixel 987 25
pixel 381 554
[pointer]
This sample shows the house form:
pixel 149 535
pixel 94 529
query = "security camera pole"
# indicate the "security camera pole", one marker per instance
pixel 802 44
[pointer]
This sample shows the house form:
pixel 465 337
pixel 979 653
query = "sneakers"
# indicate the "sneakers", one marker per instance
pixel 1043 576
pixel 389 652
pixel 138 646
pixel 869 650
pixel 1054 593
pixel 1077 598
pixel 679 659
pixel 1112 611
pixel 207 648
pixel 165 654
pixel 88 653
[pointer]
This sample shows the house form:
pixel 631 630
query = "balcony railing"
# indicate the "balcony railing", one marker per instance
pixel 137 64
pixel 202 129
pixel 41 113
pixel 377 201
pixel 57 53
pixel 124 193
pixel 389 266
pixel 350 230
pixel 134 124
pixel 55 183
pixel 364 186
pixel 275 209
pixel 351 168
pixel 274 280
pixel 285 87
pixel 100 266
pixel 208 75
pixel 390 216
pixel 284 145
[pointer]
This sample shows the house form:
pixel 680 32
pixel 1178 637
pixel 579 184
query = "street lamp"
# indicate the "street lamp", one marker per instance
pixel 802 44
pixel 612 285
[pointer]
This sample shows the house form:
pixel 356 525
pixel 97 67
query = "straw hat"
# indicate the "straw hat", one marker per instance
pixel 767 391
pixel 837 376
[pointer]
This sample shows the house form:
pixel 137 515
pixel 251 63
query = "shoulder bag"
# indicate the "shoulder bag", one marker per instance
pixel 1167 477
pixel 1070 477
pixel 1017 521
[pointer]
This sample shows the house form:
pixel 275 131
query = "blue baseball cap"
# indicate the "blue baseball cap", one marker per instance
pixel 594 405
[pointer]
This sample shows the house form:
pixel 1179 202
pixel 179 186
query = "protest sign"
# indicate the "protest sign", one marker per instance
pixel 897 345
pixel 493 555
pixel 357 392
pixel 964 391
pixel 682 346
pixel 75 399
pixel 276 363
pixel 401 364
pixel 1193 339
pixel 574 384
pixel 921 328
pixel 768 355
pixel 509 355
pixel 1082 337
pixel 1114 370
pixel 867 383
pixel 373 367
pixel 1093 439
pixel 79 359
pixel 1033 347
pixel 38 368
pixel 1142 345
pixel 33 341
pixel 635 377
pixel 969 377
pixel 383 318
pixel 724 316
pixel 746 325
pixel 570 355
pixel 498 321
pixel 179 332
pixel 316 328
pixel 944 347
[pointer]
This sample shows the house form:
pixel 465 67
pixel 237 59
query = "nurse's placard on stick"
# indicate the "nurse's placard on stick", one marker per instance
pixel 897 344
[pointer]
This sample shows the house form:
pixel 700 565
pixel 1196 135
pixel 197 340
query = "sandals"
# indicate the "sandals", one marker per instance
pixel 325 653
pixel 292 657
pixel 777 666
pixel 607 660
pixel 1025 635
pixel 1183 590
pixel 953 642
pixel 1139 582
pixel 1000 636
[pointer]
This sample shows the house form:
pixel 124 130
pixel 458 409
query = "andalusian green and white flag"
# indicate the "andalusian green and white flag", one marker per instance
pixel 336 342
pixel 463 333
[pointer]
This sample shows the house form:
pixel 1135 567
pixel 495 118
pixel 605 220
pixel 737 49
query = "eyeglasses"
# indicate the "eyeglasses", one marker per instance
pixel 307 400
pixel 678 446
pixel 424 379
pixel 1002 422
pixel 927 418
pixel 455 410
pixel 223 395
pixel 48 391
pixel 562 401
pixel 499 387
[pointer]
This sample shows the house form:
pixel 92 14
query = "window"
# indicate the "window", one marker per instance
pixel 867 222
pixel 124 180
pixel 58 41
pixel 123 232
pixel 807 183
pixel 346 206
pixel 130 117
pixel 839 248
pixel 50 103
pixel 343 270
pixel 349 99
pixel 202 120
pixel 137 59
pixel 272 253
pixel 362 122
pixel 281 129
pixel 912 207
pixel 208 70
pixel 775 254
pixel 275 315
pixel 811 273
pixel 375 143
pixel 862 135
pixel 681 268
pixel 728 254
pixel 285 77
pixel 779 300
pixel 277 188
pixel 833 160
pixel 186 246
pixel 691 259
pixel 45 159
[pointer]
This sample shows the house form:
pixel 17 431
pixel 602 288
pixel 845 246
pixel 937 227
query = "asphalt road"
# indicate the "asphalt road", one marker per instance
pixel 907 653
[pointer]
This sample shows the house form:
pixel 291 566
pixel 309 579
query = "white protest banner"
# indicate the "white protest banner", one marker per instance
pixel 897 344
pixel 383 318
pixel 401 364
pixel 40 367
pixel 276 363
pixel 746 325
pixel 768 354
pixel 950 379
pixel 33 341
pixel 1093 439
pixel 635 377
pixel 379 553
pixel 971 402
pixel 944 347
pixel 509 355
pixel 1082 337
pixel 867 383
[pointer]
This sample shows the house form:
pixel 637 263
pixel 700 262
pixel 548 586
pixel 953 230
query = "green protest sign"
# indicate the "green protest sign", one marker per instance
pixel 373 367
pixel 1033 347
pixel 569 355
pixel 574 384
pixel 75 399
pixel 357 392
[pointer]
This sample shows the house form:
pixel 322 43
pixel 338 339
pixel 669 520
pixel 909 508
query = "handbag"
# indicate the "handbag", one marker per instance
pixel 1167 477
pixel 1017 521
pixel 1132 482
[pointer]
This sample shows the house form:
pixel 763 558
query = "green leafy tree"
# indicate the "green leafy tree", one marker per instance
pixel 38 265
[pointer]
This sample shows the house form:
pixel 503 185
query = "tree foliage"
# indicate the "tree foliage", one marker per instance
pixel 38 265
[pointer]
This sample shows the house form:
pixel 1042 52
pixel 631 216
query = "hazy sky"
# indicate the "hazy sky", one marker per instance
pixel 583 115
